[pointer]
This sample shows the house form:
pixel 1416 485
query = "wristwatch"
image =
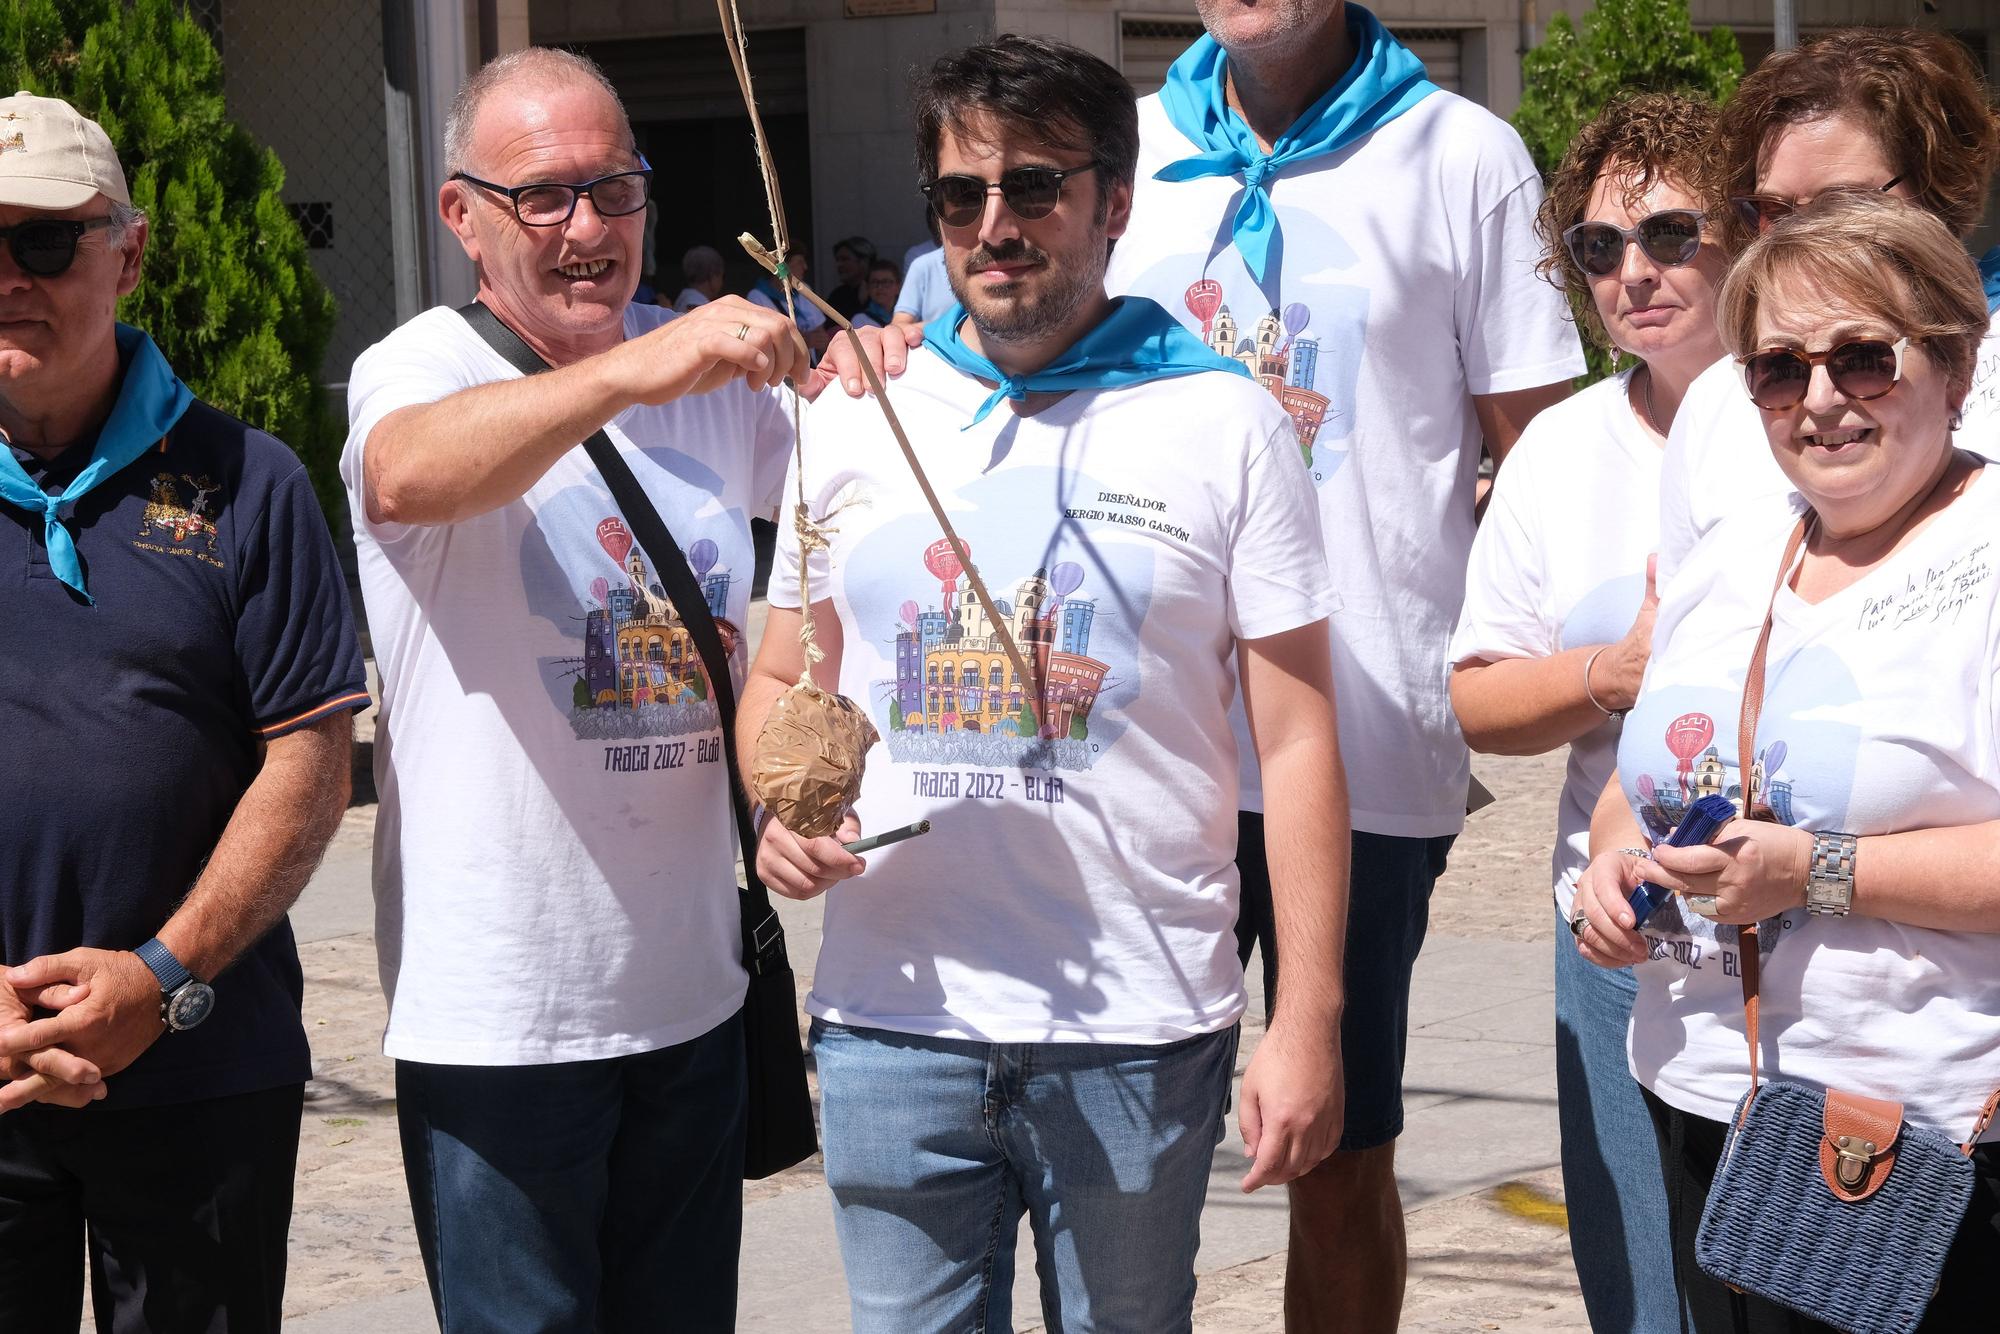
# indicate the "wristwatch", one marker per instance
pixel 185 1000
pixel 1830 875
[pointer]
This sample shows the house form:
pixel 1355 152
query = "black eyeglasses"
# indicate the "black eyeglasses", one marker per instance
pixel 45 247
pixel 1030 192
pixel 1778 377
pixel 1670 237
pixel 1757 212
pixel 551 203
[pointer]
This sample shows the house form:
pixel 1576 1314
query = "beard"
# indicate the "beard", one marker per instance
pixel 1016 317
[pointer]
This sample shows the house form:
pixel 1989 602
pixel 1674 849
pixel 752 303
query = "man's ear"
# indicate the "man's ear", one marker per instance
pixel 455 208
pixel 1118 211
pixel 133 260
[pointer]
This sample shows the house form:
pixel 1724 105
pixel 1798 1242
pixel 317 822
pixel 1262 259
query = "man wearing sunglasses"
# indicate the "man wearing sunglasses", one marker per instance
pixel 1034 1009
pixel 180 667
pixel 554 855
pixel 1309 203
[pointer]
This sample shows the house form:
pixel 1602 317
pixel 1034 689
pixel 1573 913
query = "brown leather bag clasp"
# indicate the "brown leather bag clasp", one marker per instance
pixel 1857 1147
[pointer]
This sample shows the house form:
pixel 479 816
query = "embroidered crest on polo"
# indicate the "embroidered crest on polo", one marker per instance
pixel 165 516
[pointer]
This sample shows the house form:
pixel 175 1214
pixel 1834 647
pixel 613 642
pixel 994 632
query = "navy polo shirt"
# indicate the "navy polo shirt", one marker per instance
pixel 133 726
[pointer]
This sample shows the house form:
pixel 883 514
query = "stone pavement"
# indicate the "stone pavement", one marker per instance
pixel 1477 1160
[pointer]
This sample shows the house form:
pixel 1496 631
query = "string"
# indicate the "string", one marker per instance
pixel 812 535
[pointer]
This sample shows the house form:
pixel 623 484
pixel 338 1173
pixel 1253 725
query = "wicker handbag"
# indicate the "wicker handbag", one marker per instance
pixel 1828 1203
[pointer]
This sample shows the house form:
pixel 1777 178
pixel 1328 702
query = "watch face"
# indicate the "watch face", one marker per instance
pixel 189 1006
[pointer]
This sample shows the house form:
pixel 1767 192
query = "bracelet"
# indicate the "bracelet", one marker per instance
pixel 1590 694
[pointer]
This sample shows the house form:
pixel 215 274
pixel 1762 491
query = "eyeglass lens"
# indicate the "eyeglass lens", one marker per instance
pixel 44 247
pixel 612 196
pixel 1031 192
pixel 1778 379
pixel 1670 238
pixel 1756 212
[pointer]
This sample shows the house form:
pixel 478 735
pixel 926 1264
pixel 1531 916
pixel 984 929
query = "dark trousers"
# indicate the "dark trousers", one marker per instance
pixel 583 1196
pixel 185 1211
pixel 1690 1150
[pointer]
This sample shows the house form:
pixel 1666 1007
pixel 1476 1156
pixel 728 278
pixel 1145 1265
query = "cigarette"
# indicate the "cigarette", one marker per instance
pixel 883 840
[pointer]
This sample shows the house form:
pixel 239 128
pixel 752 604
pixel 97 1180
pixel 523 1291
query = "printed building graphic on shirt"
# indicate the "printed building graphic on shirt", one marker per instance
pixel 956 682
pixel 640 673
pixel 1280 351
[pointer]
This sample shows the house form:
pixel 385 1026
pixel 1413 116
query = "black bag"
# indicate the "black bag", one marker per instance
pixel 778 1114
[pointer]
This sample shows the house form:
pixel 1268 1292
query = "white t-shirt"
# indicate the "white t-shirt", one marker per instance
pixel 926 291
pixel 554 855
pixel 1719 459
pixel 1407 286
pixel 1560 561
pixel 1081 888
pixel 689 298
pixel 804 313
pixel 1880 715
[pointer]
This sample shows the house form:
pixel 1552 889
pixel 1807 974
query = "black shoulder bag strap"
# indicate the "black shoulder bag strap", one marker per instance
pixel 780 1120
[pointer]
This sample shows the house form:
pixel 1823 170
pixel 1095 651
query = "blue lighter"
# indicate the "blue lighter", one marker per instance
pixel 1697 826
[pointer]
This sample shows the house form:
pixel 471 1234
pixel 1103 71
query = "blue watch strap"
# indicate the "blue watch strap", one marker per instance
pixel 172 976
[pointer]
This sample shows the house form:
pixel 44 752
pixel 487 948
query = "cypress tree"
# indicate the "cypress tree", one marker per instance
pixel 227 291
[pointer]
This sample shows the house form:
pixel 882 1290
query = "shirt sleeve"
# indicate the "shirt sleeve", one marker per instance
pixel 916 289
pixel 773 445
pixel 1506 612
pixel 1514 330
pixel 1277 575
pixel 295 641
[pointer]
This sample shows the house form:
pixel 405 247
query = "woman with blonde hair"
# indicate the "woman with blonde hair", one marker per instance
pixel 1853 635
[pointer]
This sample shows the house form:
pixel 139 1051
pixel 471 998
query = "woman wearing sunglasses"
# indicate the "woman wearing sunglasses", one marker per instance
pixel 1855 634
pixel 1558 616
pixel 1899 111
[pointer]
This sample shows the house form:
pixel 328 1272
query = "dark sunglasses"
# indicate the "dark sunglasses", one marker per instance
pixel 552 203
pixel 1757 212
pixel 1866 368
pixel 1670 237
pixel 45 247
pixel 1030 192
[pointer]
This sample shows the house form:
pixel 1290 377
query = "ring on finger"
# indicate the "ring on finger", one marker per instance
pixel 1702 903
pixel 741 330
pixel 1579 924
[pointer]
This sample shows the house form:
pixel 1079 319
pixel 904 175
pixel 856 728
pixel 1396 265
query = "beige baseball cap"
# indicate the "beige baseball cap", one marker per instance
pixel 52 157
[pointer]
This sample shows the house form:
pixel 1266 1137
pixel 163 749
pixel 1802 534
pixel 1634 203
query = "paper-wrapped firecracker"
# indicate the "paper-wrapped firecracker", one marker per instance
pixel 807 769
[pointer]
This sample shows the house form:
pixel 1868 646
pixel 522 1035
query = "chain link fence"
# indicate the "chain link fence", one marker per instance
pixel 304 77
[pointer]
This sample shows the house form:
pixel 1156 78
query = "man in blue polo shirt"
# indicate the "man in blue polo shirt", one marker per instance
pixel 179 665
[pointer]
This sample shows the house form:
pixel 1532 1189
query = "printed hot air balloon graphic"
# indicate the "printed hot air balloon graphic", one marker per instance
pixel 600 591
pixel 1064 579
pixel 1687 736
pixel 1296 317
pixel 1203 299
pixel 616 540
pixel 908 613
pixel 701 557
pixel 1773 791
pixel 943 563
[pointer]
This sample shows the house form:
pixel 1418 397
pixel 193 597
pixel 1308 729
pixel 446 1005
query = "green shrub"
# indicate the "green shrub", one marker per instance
pixel 228 293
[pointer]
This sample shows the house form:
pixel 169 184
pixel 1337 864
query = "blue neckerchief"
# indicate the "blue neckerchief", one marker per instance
pixel 1137 341
pixel 774 289
pixel 151 399
pixel 1989 274
pixel 879 313
pixel 1384 81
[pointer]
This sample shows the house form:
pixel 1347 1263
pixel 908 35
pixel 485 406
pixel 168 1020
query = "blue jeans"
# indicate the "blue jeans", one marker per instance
pixel 935 1148
pixel 1619 1232
pixel 584 1196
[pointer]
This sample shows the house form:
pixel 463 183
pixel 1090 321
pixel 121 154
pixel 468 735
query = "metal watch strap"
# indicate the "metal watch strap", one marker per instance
pixel 170 972
pixel 1830 874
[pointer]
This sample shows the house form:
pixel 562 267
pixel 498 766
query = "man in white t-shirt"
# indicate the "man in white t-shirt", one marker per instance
pixel 1362 242
pixel 554 857
pixel 1033 1008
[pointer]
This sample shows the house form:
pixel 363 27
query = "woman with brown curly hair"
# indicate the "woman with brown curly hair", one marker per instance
pixel 1902 111
pixel 1558 619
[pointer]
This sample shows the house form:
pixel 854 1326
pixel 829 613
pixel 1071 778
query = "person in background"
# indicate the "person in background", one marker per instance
pixel 1312 206
pixel 885 285
pixel 926 291
pixel 1866 614
pixel 813 324
pixel 1558 618
pixel 1903 111
pixel 851 257
pixel 701 270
